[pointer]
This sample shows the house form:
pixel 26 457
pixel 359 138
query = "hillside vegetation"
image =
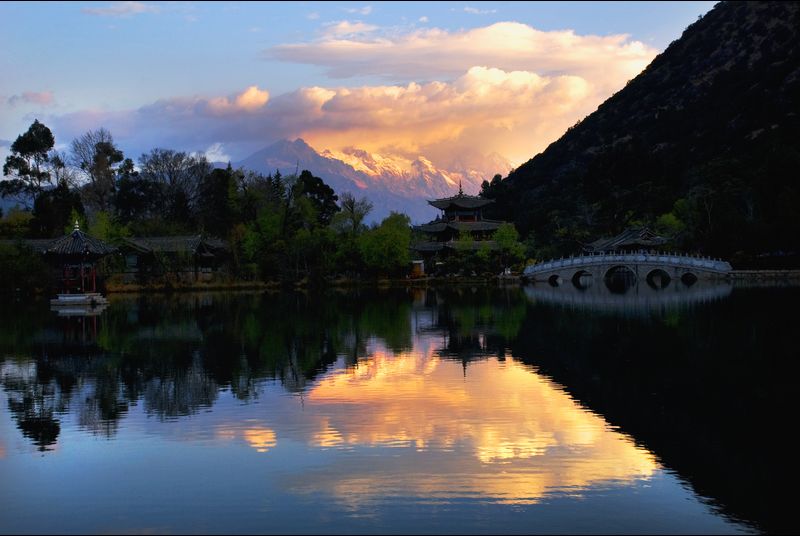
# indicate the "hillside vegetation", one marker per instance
pixel 703 145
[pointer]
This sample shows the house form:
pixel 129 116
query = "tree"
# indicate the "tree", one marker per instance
pixel 352 215
pixel 29 162
pixel 217 204
pixel 321 196
pixel 95 154
pixel 509 247
pixel 53 210
pixel 386 247
pixel 178 176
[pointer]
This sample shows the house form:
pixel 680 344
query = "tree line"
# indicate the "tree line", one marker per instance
pixel 278 227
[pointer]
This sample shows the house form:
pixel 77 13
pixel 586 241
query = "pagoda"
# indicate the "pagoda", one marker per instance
pixel 461 214
pixel 76 254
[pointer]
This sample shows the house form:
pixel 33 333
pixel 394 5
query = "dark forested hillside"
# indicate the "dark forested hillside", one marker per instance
pixel 704 145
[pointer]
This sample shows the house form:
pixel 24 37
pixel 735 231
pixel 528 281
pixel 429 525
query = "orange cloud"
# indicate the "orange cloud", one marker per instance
pixel 514 435
pixel 608 61
pixel 249 100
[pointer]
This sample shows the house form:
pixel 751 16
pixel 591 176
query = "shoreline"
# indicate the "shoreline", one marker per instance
pixel 777 275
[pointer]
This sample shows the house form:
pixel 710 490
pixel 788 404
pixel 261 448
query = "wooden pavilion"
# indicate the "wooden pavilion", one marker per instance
pixel 76 256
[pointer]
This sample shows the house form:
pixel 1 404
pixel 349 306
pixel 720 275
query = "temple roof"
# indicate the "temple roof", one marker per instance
pixel 78 244
pixel 461 201
pixel 439 226
pixel 634 236
pixel 474 245
pixel 174 244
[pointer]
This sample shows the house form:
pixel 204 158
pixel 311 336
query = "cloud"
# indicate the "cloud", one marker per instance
pixel 121 9
pixel 249 100
pixel 476 11
pixel 41 98
pixel 313 15
pixel 366 10
pixel 514 113
pixel 216 153
pixel 432 53
pixel 423 19
pixel 348 29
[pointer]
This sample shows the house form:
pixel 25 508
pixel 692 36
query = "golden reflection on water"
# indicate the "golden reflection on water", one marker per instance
pixel 495 429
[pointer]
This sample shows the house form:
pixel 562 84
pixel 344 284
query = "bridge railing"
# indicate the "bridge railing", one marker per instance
pixel 649 257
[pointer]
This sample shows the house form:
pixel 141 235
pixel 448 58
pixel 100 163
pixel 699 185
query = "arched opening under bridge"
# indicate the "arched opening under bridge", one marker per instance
pixel 658 279
pixel 619 279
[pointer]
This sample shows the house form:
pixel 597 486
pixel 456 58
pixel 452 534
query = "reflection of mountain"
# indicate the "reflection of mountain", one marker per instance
pixel 390 182
pixel 693 384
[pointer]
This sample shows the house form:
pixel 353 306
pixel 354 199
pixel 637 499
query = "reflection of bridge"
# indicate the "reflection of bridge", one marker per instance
pixel 642 265
pixel 635 300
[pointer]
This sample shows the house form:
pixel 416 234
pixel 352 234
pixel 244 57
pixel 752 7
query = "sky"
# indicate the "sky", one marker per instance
pixel 395 78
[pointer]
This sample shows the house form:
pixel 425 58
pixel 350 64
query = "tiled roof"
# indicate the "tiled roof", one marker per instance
pixel 78 243
pixel 438 227
pixel 174 244
pixel 462 201
pixel 634 236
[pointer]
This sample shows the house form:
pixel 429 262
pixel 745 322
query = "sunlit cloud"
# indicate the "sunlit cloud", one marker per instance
pixel 425 53
pixel 249 100
pixel 346 28
pixel 216 153
pixel 485 110
pixel 42 98
pixel 122 9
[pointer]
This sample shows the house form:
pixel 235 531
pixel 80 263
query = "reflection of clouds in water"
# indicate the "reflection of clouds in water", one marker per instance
pixel 261 438
pixel 502 432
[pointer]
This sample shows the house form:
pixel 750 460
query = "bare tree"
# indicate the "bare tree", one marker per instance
pixel 95 154
pixel 353 213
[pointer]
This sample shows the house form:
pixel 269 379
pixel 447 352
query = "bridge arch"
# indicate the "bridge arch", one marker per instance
pixel 658 278
pixel 619 278
pixel 582 279
pixel 689 279
pixel 554 280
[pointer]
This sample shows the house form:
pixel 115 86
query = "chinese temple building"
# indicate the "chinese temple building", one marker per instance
pixel 461 215
pixel 631 239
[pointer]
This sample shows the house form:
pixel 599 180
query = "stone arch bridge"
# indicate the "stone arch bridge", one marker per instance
pixel 655 267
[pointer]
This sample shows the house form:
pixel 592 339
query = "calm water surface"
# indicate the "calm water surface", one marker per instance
pixel 442 410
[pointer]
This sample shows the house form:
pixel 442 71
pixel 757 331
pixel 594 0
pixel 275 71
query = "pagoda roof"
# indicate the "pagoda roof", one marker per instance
pixel 473 245
pixel 633 236
pixel 78 244
pixel 173 244
pixel 461 201
pixel 439 226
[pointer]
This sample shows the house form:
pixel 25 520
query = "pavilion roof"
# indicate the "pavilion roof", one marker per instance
pixel 633 236
pixel 439 226
pixel 174 244
pixel 78 244
pixel 461 201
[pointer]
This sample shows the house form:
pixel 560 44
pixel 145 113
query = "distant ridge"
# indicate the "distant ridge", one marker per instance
pixel 705 142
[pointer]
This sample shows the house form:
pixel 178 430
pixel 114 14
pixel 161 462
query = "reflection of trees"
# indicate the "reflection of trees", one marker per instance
pixel 33 404
pixel 181 394
pixel 477 322
pixel 175 353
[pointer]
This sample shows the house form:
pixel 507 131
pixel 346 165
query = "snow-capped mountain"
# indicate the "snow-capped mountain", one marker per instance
pixel 391 182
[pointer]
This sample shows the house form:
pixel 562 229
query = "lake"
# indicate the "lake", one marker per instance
pixel 449 410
